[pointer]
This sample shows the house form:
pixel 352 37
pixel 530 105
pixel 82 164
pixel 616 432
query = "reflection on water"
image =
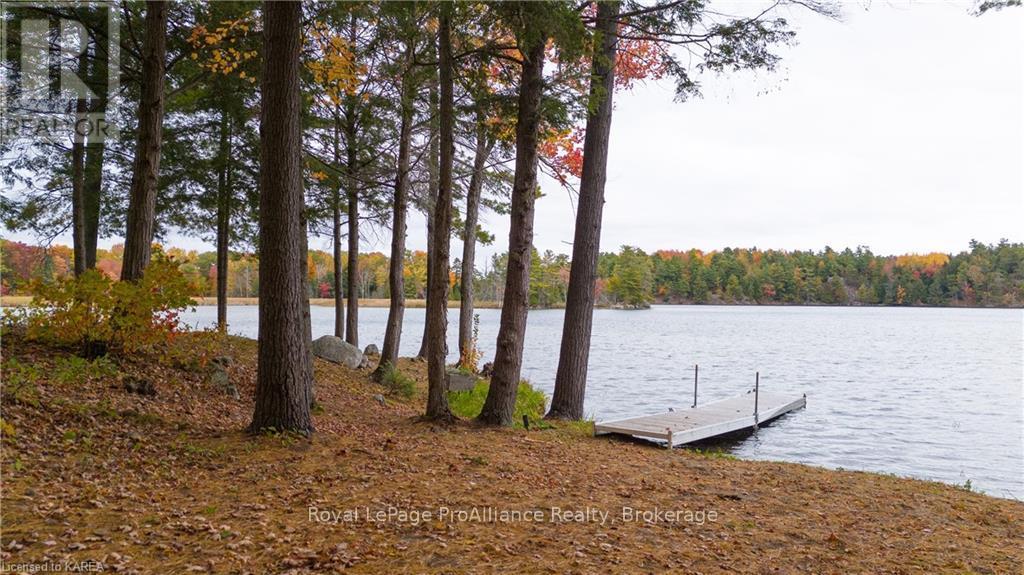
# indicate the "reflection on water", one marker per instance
pixel 929 393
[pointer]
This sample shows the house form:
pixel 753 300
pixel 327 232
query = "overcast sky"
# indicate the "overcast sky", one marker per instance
pixel 899 128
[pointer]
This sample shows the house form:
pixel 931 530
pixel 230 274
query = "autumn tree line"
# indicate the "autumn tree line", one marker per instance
pixel 265 124
pixel 983 276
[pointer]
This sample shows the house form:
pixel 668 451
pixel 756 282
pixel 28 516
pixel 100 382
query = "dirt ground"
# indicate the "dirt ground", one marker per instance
pixel 96 477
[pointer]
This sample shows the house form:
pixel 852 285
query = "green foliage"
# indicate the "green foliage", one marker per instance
pixel 20 382
pixel 549 280
pixel 714 453
pixel 529 401
pixel 398 383
pixel 632 278
pixel 987 275
pixel 96 315
pixel 73 369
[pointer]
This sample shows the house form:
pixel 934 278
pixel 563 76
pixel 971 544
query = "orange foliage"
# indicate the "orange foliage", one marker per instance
pixel 214 50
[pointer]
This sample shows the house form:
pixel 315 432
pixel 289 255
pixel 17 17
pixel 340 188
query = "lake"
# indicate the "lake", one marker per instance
pixel 922 392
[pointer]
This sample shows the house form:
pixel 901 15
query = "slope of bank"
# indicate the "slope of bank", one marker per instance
pixel 170 484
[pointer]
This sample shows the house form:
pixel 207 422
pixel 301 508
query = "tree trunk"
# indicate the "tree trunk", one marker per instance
pixel 352 321
pixel 431 201
pixel 476 183
pixel 352 327
pixel 437 289
pixel 284 369
pixel 223 222
pixel 508 360
pixel 396 279
pixel 78 185
pixel 146 167
pixel 339 292
pixel 92 192
pixel 571 377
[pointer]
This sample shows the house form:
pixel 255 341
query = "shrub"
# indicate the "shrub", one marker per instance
pixel 529 401
pixel 468 363
pixel 397 382
pixel 96 315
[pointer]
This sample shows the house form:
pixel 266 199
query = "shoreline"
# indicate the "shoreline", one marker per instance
pixel 502 500
pixel 417 303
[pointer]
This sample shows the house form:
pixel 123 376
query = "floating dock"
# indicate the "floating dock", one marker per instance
pixel 712 419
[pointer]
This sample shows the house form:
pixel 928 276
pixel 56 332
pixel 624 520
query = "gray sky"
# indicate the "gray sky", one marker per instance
pixel 899 128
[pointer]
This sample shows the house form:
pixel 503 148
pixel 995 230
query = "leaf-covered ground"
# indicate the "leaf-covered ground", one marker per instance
pixel 170 484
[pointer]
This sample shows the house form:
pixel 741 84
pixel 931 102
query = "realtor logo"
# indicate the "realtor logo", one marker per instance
pixel 60 65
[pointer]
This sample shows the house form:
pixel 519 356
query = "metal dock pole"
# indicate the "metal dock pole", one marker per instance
pixel 757 385
pixel 695 369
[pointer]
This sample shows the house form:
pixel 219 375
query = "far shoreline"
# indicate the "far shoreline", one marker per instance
pixel 419 303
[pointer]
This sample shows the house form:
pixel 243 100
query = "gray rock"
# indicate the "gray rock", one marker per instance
pixel 139 385
pixel 458 381
pixel 218 378
pixel 371 350
pixel 335 349
pixel 379 399
pixel 487 369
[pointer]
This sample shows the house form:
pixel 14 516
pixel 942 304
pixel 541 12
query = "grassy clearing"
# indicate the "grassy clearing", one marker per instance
pixel 529 401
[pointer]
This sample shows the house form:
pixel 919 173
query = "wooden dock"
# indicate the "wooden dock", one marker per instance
pixel 712 419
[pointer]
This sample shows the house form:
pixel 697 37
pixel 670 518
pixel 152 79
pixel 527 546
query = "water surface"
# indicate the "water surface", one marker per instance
pixel 923 392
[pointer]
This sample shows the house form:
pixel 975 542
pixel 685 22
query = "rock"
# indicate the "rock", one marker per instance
pixel 218 377
pixel 371 350
pixel 458 381
pixel 141 386
pixel 487 369
pixel 336 350
pixel 379 398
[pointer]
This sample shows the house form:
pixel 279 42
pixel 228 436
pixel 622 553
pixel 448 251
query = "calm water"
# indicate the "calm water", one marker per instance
pixel 928 393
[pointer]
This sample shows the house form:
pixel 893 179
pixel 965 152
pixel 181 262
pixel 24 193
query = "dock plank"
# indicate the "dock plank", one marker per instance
pixel 705 421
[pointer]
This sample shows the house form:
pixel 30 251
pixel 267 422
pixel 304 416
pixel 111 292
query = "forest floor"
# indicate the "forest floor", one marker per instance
pixel 95 476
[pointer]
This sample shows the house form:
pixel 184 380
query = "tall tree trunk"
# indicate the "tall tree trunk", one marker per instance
pixel 352 321
pixel 339 292
pixel 476 183
pixel 352 327
pixel 146 167
pixel 571 376
pixel 508 360
pixel 431 201
pixel 223 222
pixel 396 279
pixel 437 289
pixel 284 376
pixel 92 194
pixel 78 184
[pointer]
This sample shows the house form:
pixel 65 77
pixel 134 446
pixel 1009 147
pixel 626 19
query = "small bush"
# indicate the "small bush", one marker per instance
pixel 20 382
pixel 96 315
pixel 530 401
pixel 73 369
pixel 398 383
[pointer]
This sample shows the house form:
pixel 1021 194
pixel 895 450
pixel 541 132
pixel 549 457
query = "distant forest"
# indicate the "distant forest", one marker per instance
pixel 983 276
